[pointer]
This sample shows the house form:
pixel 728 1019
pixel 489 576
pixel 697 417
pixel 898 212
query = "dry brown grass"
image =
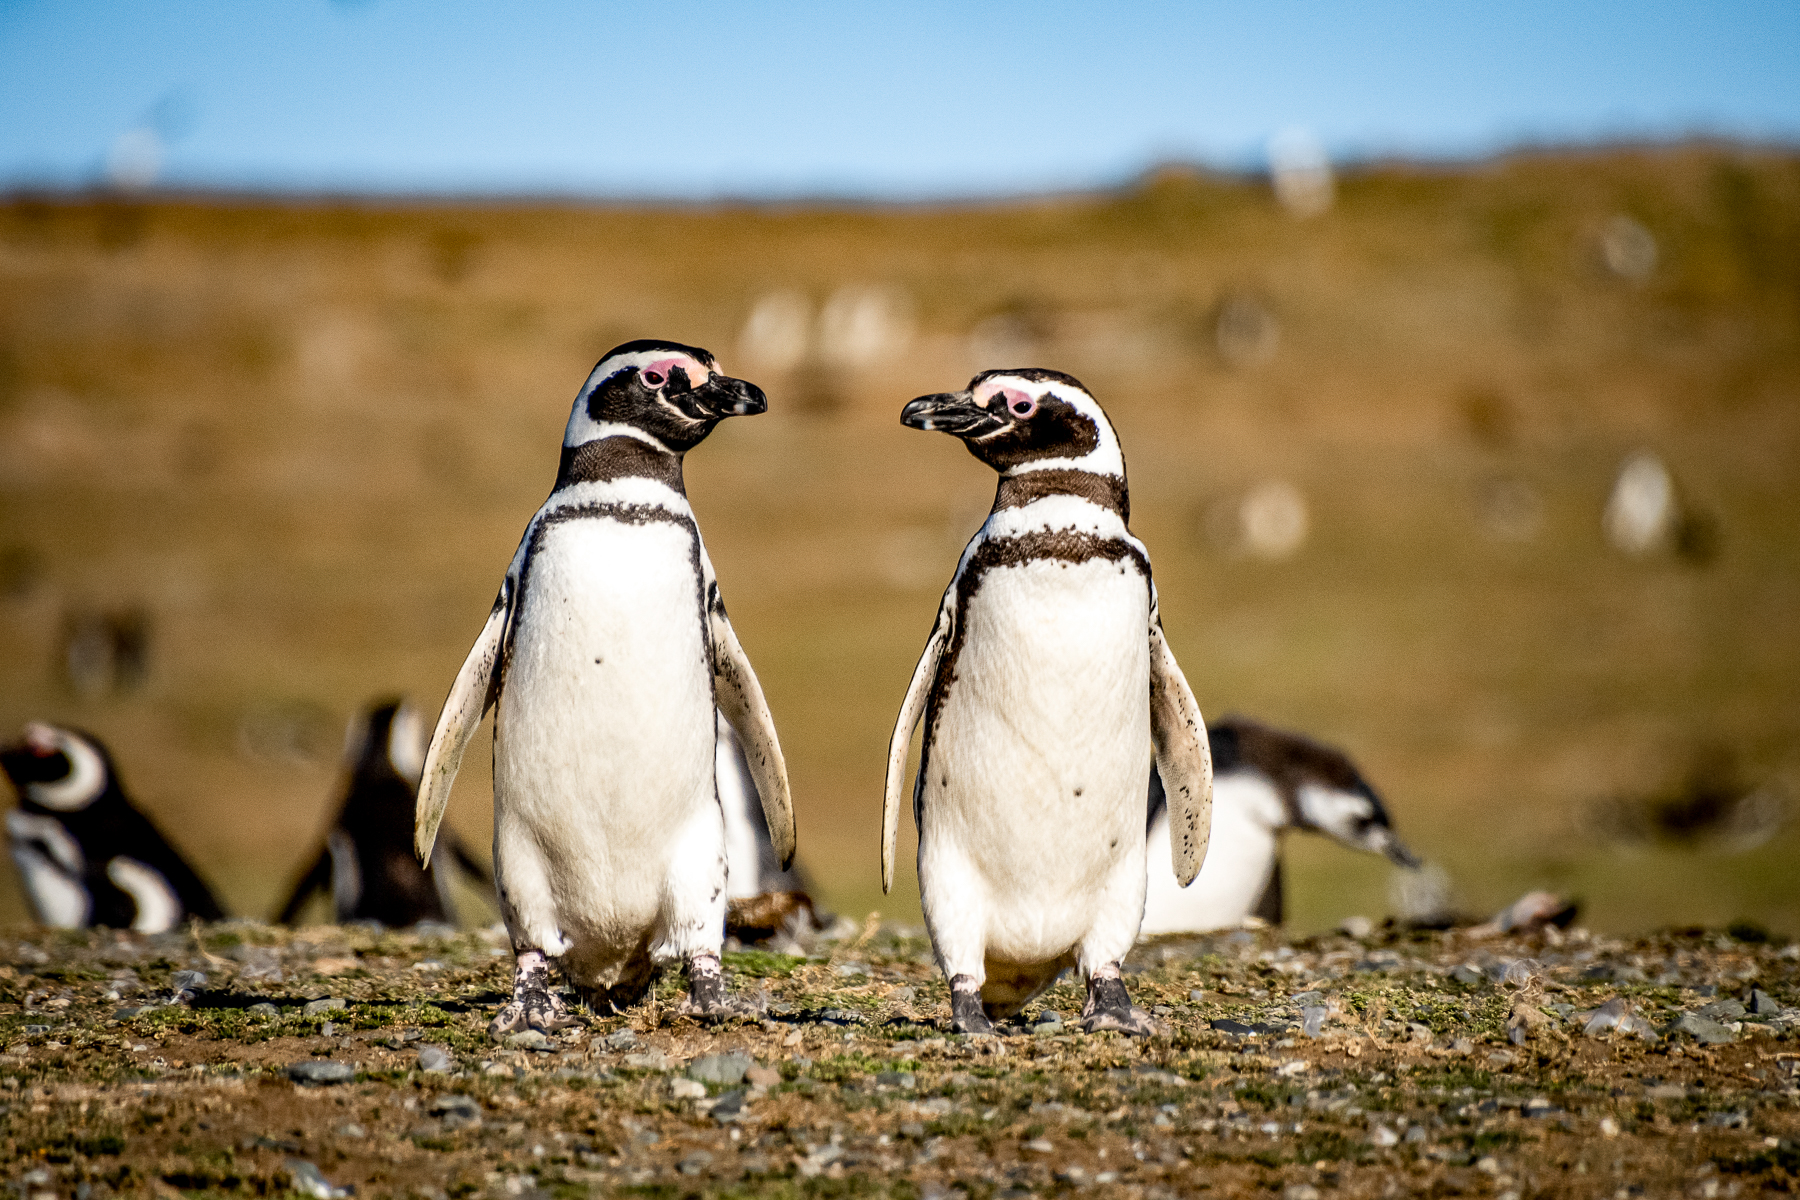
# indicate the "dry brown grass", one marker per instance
pixel 305 437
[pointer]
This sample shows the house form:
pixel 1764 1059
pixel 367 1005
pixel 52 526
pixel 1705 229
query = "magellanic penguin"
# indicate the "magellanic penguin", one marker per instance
pixel 86 854
pixel 605 655
pixel 1044 681
pixel 367 860
pixel 1265 782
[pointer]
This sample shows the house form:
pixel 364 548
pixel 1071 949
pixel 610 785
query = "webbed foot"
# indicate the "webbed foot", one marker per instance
pixel 1109 1006
pixel 534 1004
pixel 707 998
pixel 966 1013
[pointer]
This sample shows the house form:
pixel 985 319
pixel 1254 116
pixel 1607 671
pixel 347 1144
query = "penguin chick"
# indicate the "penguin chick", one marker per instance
pixel 1265 782
pixel 1044 680
pixel 604 657
pixel 85 852
pixel 367 860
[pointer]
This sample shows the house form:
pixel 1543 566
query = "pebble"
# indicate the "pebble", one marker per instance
pixel 687 1089
pixel 329 1004
pixel 435 1059
pixel 762 1077
pixel 321 1071
pixel 263 1009
pixel 1040 1146
pixel 529 1039
pixel 729 1107
pixel 1383 1137
pixel 457 1111
pixel 1703 1030
pixel 694 1163
pixel 308 1180
pixel 621 1039
pixel 726 1070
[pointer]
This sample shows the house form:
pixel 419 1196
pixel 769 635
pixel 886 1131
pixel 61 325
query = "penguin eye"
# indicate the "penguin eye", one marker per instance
pixel 1020 405
pixel 652 377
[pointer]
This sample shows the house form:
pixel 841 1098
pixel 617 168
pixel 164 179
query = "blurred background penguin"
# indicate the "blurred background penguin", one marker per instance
pixel 367 859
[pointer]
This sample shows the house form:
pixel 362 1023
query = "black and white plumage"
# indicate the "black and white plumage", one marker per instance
pixel 1043 683
pixel 605 656
pixel 367 861
pixel 1265 782
pixel 85 853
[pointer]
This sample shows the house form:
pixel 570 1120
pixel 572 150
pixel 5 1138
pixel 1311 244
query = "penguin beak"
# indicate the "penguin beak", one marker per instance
pixel 722 396
pixel 955 413
pixel 1398 854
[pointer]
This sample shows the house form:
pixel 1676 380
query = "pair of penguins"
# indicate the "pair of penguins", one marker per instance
pixel 1046 677
pixel 608 651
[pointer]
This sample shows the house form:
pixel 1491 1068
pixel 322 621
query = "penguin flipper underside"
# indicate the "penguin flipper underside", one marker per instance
pixel 740 698
pixel 911 710
pixel 1183 756
pixel 476 688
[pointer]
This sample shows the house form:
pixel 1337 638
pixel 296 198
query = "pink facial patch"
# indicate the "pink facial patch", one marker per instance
pixel 1018 403
pixel 657 373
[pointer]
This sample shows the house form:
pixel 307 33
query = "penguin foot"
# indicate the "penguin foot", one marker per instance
pixel 966 1013
pixel 534 1004
pixel 707 998
pixel 1109 1006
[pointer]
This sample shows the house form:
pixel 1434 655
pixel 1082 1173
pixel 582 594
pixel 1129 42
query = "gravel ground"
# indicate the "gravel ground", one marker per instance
pixel 241 1058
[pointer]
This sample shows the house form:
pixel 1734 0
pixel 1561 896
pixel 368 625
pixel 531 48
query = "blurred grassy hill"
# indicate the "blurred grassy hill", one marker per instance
pixel 287 449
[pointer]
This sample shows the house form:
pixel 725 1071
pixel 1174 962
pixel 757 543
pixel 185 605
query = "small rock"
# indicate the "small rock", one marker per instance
pixel 329 1004
pixel 1466 974
pixel 896 1079
pixel 1415 1135
pixel 903 995
pixel 726 1070
pixel 457 1111
pixel 851 969
pixel 762 1077
pixel 729 1107
pixel 1307 998
pixel 1609 1127
pixel 1462 1046
pixel 1312 1020
pixel 687 1089
pixel 321 1071
pixel 1073 1176
pixel 1357 927
pixel 621 1039
pixel 1666 1091
pixel 328 1029
pixel 435 1060
pixel 1299 1191
pixel 1196 995
pixel 1383 1137
pixel 694 1162
pixel 184 984
pixel 1040 1146
pixel 1722 1010
pixel 308 1180
pixel 529 1039
pixel 650 1060
pixel 350 1129
pixel 1703 1030
pixel 263 1009
pixel 1761 1004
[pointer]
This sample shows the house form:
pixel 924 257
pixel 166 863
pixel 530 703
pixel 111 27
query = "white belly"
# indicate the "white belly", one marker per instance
pixel 603 746
pixel 1039 758
pixel 1240 857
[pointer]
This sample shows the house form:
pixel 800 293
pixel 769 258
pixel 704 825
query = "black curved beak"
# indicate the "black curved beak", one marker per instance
pixel 1399 855
pixel 723 396
pixel 950 412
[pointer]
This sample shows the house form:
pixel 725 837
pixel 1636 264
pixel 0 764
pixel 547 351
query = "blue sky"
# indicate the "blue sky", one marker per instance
pixel 690 99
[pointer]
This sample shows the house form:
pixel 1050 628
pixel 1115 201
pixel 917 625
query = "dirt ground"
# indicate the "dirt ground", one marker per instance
pixel 1442 1063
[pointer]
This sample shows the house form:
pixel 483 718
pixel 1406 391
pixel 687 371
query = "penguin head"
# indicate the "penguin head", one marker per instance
pixel 1024 420
pixel 387 739
pixel 670 393
pixel 1322 789
pixel 57 770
